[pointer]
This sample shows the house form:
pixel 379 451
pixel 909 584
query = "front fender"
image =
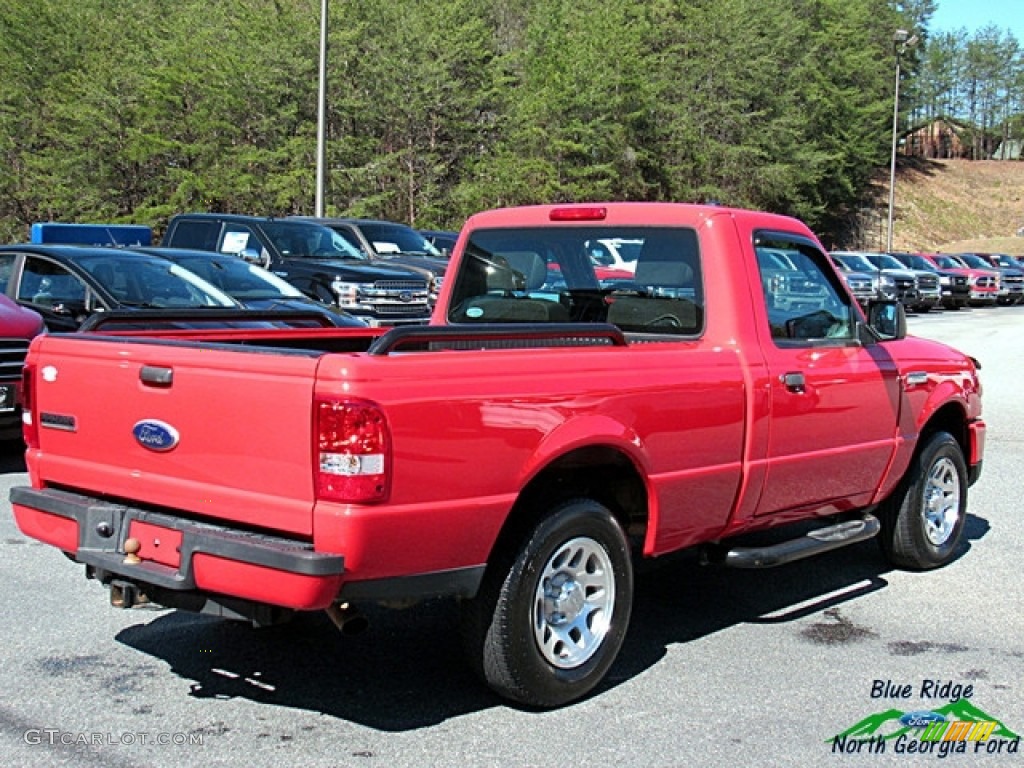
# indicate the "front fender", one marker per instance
pixel 934 401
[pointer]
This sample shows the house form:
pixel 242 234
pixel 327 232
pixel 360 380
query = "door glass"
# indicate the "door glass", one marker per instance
pixel 50 285
pixel 802 297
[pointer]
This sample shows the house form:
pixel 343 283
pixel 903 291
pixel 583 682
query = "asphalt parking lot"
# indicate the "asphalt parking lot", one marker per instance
pixel 720 667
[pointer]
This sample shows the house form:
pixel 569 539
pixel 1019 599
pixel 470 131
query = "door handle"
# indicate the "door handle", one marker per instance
pixel 156 376
pixel 793 381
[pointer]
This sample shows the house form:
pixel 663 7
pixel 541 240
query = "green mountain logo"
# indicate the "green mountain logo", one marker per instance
pixel 886 725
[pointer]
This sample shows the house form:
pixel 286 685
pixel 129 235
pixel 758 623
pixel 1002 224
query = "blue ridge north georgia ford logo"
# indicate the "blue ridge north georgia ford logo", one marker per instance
pixel 155 435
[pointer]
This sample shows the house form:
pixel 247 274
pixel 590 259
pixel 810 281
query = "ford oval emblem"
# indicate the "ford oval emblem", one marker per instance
pixel 155 435
pixel 921 719
pixel 405 296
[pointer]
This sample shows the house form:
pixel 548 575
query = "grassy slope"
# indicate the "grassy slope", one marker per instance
pixel 958 205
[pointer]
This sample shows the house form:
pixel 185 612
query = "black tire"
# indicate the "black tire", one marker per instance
pixel 923 520
pixel 546 652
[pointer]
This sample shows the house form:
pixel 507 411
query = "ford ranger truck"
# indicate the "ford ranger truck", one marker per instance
pixel 523 452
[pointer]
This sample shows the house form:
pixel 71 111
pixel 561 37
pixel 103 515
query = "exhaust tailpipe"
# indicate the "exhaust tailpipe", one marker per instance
pixel 348 620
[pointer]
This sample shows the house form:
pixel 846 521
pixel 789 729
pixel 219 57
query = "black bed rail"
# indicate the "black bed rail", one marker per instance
pixel 198 318
pixel 497 336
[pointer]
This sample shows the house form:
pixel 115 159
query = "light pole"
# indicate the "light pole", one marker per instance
pixel 901 40
pixel 321 116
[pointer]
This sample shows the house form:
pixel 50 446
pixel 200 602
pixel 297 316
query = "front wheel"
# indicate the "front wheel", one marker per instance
pixel 547 625
pixel 923 520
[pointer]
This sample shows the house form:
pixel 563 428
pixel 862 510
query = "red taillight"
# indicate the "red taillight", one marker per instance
pixel 579 213
pixel 351 451
pixel 29 428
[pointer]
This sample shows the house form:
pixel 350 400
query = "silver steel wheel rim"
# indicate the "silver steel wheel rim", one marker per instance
pixel 573 603
pixel 941 501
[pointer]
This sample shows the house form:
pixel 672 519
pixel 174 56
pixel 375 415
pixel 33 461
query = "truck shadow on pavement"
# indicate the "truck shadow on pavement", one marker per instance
pixel 407 671
pixel 12 457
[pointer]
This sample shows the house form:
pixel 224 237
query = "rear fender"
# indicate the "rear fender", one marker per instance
pixel 585 431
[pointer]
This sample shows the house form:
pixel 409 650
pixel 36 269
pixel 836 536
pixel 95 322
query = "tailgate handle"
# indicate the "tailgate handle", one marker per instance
pixel 156 375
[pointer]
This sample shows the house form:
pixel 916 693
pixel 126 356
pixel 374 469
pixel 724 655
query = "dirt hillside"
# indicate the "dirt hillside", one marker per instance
pixel 958 205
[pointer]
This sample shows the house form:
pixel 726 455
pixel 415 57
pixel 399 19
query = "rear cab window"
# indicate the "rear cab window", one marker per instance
pixel 555 275
pixel 804 298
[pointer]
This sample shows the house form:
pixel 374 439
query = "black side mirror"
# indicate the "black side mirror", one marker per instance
pixel 887 319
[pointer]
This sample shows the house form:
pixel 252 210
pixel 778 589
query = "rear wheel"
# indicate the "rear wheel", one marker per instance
pixel 923 520
pixel 550 619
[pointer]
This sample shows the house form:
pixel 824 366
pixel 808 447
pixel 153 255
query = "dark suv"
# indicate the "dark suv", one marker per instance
pixel 313 258
pixel 392 243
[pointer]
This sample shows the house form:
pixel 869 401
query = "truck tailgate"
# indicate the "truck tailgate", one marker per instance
pixel 222 433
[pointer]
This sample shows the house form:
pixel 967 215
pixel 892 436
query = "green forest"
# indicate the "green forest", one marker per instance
pixel 129 111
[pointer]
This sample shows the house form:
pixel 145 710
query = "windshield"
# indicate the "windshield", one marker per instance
pixel 975 261
pixel 144 281
pixel 240 279
pixel 885 261
pixel 855 261
pixel 389 237
pixel 301 239
pixel 914 261
pixel 947 262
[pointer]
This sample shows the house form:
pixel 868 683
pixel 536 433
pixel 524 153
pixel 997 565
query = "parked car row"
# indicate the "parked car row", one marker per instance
pixel 1010 273
pixel 923 281
pixel 363 271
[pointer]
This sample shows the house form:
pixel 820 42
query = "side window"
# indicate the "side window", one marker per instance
pixel 49 285
pixel 802 299
pixel 201 235
pixel 238 237
pixel 6 267
pixel 350 238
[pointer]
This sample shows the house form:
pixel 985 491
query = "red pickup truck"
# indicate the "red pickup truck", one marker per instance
pixel 520 454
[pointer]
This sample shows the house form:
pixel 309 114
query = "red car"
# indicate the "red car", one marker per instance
pixel 984 283
pixel 18 326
